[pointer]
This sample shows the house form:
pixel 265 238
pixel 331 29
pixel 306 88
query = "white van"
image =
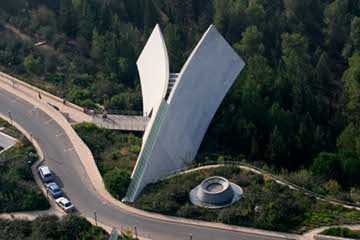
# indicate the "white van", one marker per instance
pixel 45 174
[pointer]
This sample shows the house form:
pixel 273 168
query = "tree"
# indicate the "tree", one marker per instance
pixel 349 139
pixel 332 187
pixel 123 68
pixel 256 14
pixel 67 18
pixel 174 44
pixel 336 20
pixel 32 65
pixel 297 68
pixel 350 163
pixel 46 227
pixel 305 16
pixel 353 45
pixel 355 34
pixel 13 6
pixel 117 182
pixel 87 19
pixel 251 43
pixel 221 14
pixel 327 165
pixel 150 15
pixel 97 45
pixel 305 139
pixel 278 150
pixel 111 52
pixel 352 88
pixel 325 88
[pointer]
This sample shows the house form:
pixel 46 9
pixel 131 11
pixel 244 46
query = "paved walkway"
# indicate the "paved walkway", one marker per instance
pixel 72 112
pixel 121 122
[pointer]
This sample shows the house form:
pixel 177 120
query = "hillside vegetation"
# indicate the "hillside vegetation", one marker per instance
pixel 296 105
pixel 51 227
pixel 264 204
pixel 115 154
pixel 18 189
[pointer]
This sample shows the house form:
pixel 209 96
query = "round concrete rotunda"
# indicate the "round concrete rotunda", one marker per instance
pixel 215 192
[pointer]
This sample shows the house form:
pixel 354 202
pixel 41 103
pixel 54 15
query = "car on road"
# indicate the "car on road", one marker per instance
pixel 54 190
pixel 65 204
pixel 45 174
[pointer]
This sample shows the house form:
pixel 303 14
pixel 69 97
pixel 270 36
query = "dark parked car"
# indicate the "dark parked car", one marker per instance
pixel 54 190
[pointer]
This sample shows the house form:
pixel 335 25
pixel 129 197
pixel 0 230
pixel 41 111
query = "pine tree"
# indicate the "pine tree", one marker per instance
pixel 352 88
pixel 67 18
pixel 150 16
pixel 337 27
pixel 251 43
pixel 174 44
pixel 297 68
pixel 97 45
pixel 277 149
pixel 221 14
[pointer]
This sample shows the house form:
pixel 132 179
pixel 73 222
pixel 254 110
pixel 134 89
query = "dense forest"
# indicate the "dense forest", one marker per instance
pixel 297 103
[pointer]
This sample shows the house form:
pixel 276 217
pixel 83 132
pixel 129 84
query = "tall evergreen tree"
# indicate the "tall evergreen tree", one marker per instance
pixel 150 15
pixel 67 18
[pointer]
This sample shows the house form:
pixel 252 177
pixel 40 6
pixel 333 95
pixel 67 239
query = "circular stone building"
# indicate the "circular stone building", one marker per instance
pixel 215 192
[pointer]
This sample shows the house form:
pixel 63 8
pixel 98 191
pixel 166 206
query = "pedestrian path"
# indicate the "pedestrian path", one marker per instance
pixel 74 113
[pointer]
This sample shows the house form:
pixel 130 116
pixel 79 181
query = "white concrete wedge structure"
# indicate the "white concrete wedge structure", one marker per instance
pixel 175 132
pixel 153 66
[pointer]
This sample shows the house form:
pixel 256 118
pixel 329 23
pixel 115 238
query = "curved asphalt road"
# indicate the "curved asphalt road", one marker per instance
pixel 63 160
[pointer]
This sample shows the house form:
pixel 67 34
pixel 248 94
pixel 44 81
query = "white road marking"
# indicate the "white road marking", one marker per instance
pixel 69 149
pixel 48 121
pixel 60 134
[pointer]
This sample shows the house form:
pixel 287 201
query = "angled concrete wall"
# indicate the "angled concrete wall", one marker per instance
pixel 153 66
pixel 177 131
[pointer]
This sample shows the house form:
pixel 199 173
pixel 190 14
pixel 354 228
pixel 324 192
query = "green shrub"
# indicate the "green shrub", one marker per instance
pixel 51 228
pixel 341 232
pixel 117 182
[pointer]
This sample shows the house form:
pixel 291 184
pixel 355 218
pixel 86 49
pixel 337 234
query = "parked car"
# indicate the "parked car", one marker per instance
pixel 65 204
pixel 45 174
pixel 54 190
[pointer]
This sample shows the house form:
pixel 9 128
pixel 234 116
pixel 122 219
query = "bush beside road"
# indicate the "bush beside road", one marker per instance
pixel 19 191
pixel 51 227
pixel 342 232
pixel 115 154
